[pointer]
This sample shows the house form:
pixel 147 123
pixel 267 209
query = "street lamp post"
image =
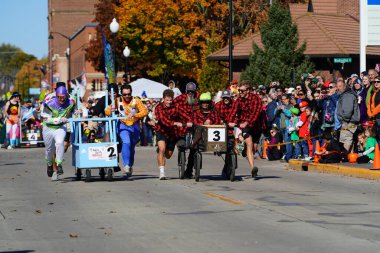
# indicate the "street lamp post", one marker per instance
pixel 126 53
pixel 230 44
pixel 114 27
pixel 68 52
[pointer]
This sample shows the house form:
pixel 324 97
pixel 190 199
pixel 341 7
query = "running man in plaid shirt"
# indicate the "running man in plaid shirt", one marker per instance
pixel 186 105
pixel 249 109
pixel 166 129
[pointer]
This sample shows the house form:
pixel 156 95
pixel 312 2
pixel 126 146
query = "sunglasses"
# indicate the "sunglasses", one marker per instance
pixel 61 97
pixel 242 90
pixel 126 94
pixel 301 94
pixel 376 82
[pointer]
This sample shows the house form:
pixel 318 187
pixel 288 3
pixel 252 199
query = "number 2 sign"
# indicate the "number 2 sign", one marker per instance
pixel 216 134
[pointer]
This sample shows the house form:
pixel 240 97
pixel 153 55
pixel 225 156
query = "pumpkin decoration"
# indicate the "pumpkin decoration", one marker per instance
pixel 352 157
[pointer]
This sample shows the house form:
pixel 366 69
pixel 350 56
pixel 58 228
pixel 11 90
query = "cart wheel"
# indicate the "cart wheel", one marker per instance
pixel 88 175
pixel 109 175
pixel 181 164
pixel 197 165
pixel 102 173
pixel 232 164
pixel 78 174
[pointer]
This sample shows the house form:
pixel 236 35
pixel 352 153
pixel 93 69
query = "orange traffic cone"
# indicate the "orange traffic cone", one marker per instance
pixel 376 161
pixel 265 149
pixel 317 149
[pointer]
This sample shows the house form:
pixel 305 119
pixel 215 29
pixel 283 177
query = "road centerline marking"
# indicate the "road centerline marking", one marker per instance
pixel 212 195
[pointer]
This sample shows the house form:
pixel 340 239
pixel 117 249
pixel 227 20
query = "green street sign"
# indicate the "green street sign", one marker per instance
pixel 343 60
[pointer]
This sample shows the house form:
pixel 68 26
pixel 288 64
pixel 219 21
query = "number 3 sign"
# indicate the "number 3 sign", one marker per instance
pixel 216 134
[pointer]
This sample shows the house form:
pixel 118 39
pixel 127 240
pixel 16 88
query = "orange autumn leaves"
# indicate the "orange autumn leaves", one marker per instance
pixel 169 36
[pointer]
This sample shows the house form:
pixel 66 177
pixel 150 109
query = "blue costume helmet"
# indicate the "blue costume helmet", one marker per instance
pixel 62 91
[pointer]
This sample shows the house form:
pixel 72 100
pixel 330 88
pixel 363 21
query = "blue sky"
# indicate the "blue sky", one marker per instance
pixel 24 23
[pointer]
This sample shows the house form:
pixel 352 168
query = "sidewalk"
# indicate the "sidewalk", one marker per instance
pixel 343 169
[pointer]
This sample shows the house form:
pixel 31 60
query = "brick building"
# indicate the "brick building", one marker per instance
pixel 65 18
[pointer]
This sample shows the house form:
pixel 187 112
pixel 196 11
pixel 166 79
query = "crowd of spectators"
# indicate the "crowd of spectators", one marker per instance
pixel 345 111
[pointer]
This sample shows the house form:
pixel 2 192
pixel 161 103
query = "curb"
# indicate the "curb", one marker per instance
pixel 335 169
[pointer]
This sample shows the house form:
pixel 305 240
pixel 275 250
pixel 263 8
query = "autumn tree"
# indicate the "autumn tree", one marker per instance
pixel 30 76
pixel 281 55
pixel 11 59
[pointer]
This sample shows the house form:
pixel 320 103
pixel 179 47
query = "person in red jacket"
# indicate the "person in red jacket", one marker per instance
pixel 303 127
pixel 249 110
pixel 166 126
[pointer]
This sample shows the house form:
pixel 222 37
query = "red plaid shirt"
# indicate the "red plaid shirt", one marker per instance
pixel 249 109
pixel 166 116
pixel 226 113
pixel 185 111
pixel 200 117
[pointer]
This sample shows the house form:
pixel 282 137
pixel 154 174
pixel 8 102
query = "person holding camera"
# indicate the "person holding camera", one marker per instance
pixel 329 106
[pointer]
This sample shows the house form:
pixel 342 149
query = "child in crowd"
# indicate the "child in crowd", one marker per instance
pixel 273 152
pixel 330 151
pixel 294 132
pixel 303 127
pixel 367 144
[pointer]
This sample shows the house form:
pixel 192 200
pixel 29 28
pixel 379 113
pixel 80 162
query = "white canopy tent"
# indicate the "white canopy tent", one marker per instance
pixel 152 89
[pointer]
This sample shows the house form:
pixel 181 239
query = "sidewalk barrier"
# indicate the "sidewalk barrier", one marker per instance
pixel 376 161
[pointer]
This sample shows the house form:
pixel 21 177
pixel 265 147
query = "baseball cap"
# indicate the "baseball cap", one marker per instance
pixel 303 104
pixel 226 94
pixel 294 111
pixel 205 96
pixel 191 86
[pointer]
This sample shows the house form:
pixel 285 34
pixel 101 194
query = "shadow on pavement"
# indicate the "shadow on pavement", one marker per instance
pixel 7 164
pixel 18 251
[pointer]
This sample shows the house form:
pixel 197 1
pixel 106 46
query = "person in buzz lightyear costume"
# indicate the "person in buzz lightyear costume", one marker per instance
pixel 128 129
pixel 55 111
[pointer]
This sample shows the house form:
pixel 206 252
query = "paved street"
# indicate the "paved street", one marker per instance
pixel 282 211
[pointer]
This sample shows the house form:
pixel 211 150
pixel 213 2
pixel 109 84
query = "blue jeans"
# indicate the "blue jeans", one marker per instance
pixel 305 148
pixel 289 147
pixel 297 149
pixel 129 136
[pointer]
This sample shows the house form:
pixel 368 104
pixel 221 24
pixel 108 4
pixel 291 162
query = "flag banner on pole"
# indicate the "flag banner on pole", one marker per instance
pixel 108 61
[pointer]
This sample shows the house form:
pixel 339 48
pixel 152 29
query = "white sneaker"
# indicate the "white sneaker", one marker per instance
pixel 128 170
pixel 307 158
pixel 54 177
pixel 162 175
pixel 9 147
